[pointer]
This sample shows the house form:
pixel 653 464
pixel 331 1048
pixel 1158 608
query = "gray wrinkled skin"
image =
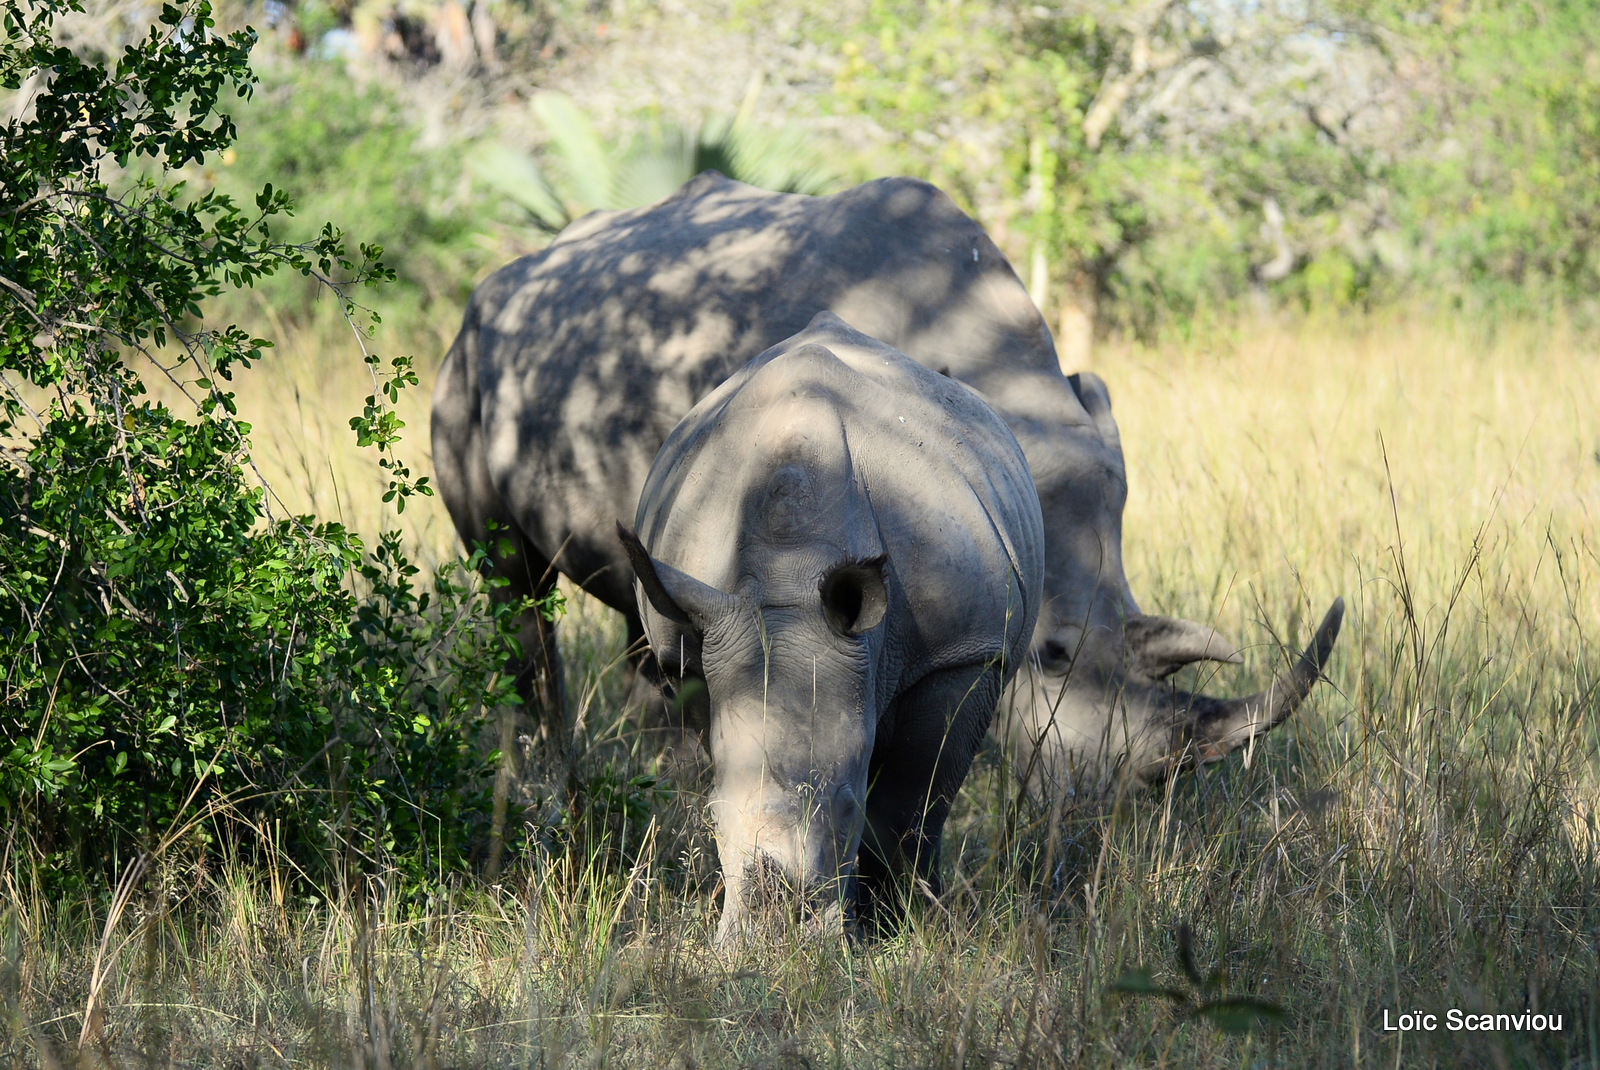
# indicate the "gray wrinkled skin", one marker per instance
pixel 574 364
pixel 846 549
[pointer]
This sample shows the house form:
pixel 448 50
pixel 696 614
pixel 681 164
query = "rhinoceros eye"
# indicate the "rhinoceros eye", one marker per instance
pixel 854 595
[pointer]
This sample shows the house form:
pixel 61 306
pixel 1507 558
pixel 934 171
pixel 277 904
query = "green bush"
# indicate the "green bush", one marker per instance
pixel 1454 157
pixel 591 174
pixel 177 659
pixel 152 626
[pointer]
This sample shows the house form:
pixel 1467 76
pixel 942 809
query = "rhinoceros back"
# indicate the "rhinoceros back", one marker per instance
pixel 935 478
pixel 589 352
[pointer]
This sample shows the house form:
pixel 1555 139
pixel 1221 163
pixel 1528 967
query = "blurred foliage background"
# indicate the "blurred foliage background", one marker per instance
pixel 1148 166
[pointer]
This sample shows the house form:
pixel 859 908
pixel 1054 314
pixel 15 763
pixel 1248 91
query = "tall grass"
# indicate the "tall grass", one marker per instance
pixel 1423 835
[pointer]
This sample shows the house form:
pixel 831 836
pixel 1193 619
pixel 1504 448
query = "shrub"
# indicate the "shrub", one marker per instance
pixel 171 647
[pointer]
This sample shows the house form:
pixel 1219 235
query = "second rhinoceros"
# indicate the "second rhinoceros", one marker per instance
pixel 845 548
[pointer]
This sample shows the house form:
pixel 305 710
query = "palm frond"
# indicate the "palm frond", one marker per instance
pixel 584 172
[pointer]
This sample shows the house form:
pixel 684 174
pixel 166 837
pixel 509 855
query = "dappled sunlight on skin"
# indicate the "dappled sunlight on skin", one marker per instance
pixel 590 353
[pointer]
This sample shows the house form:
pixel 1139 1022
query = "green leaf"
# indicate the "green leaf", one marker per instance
pixel 1241 1014
pixel 1140 982
pixel 578 144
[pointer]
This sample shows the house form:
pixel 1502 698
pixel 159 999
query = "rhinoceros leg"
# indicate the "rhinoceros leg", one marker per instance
pixel 924 749
pixel 537 673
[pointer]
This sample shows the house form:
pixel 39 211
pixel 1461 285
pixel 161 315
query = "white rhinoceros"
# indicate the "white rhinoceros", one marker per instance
pixel 846 549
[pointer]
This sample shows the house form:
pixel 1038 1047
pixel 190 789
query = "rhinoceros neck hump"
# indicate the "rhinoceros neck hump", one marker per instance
pixel 900 261
pixel 783 439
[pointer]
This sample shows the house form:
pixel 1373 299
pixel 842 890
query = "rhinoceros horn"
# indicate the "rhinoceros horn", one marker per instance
pixel 1219 726
pixel 1157 647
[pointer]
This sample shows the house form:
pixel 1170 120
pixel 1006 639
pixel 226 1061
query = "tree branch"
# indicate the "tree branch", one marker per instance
pixel 1115 91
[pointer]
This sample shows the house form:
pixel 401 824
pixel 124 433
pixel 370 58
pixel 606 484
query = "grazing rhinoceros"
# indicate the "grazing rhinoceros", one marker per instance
pixel 846 548
pixel 574 364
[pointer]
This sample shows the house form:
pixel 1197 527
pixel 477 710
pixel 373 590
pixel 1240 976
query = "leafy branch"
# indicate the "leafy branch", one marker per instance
pixel 379 425
pixel 1201 995
pixel 162 635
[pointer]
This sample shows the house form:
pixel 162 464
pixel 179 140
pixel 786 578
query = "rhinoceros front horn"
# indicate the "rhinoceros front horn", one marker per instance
pixel 1218 726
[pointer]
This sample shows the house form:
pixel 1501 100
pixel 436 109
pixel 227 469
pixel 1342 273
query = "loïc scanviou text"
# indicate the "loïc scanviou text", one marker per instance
pixel 1457 1020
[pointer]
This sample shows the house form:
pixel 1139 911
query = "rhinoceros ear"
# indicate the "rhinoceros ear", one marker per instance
pixel 855 595
pixel 1096 401
pixel 675 595
pixel 1157 647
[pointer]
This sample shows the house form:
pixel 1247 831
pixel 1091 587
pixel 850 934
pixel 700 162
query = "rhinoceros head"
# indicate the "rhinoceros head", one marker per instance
pixel 1094 702
pixel 789 657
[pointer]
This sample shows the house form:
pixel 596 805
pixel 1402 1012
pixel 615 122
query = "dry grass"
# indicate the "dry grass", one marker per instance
pixel 1422 836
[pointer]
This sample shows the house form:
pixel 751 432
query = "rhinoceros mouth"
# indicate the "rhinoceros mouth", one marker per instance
pixel 769 899
pixel 768 884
